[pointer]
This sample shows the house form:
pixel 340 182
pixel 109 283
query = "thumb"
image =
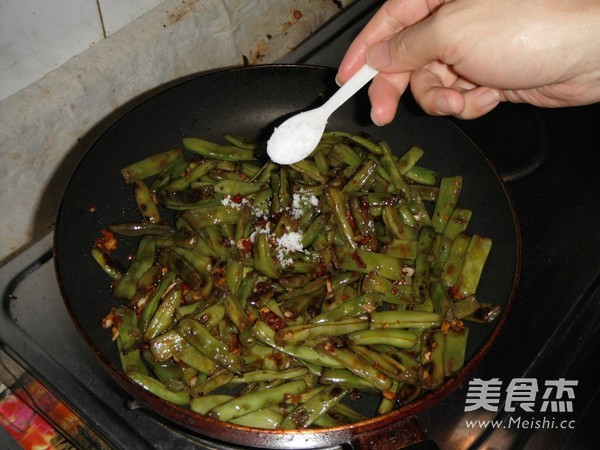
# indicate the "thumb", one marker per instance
pixel 410 49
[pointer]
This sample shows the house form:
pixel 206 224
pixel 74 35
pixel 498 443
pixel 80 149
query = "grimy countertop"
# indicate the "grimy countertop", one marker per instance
pixel 46 127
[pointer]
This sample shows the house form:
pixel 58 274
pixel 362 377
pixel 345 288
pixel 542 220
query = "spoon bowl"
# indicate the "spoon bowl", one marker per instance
pixel 298 136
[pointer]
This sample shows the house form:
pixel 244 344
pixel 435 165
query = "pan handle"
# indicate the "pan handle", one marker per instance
pixel 404 434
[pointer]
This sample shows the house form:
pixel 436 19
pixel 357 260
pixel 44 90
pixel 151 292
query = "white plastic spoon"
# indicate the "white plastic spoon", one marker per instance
pixel 298 136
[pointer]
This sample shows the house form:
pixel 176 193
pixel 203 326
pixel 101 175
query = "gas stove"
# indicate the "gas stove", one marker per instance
pixel 550 340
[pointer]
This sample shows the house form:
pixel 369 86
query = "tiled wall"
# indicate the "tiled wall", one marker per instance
pixel 37 36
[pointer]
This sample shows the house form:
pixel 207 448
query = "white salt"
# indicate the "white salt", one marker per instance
pixel 295 139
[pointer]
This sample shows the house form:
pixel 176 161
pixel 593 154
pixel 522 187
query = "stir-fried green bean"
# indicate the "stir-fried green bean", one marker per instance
pixel 268 296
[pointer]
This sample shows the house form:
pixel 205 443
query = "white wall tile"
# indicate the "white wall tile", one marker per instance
pixel 118 13
pixel 37 36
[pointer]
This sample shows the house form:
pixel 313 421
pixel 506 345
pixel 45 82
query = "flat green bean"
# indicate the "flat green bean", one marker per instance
pixel 263 295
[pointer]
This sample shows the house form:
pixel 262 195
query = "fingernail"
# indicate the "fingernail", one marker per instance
pixel 443 106
pixel 379 55
pixel 375 121
pixel 486 99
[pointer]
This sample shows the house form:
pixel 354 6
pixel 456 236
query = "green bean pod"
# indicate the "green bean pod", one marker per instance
pixel 149 166
pixel 142 261
pixel 203 405
pixel 403 249
pixel 168 372
pixel 358 365
pixel 393 292
pixel 396 337
pixel 404 319
pixel 422 175
pixel 310 170
pixel 433 345
pixel 344 377
pixel 173 170
pixel 145 202
pixel 248 403
pixel 217 379
pixel 475 257
pixel 141 229
pixel 364 261
pixel 316 227
pixel 396 226
pixel 237 187
pixel 216 151
pixel 304 415
pixel 262 418
pixel 163 318
pixel 193 278
pixel 454 262
pixel 267 375
pixel 296 334
pixel 129 330
pixel 409 159
pixel 422 264
pixel 192 357
pixel 262 257
pixel 455 350
pixel 212 215
pixel 362 177
pixel 235 312
pixel 159 389
pixel 356 307
pixel 201 339
pixel 132 360
pixel 110 265
pixel 167 345
pixel 449 192
pixel 265 334
pixel 337 205
pixel 364 142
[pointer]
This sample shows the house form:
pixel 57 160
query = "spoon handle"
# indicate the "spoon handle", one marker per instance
pixel 348 89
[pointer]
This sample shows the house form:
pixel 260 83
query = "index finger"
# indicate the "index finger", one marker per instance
pixel 393 17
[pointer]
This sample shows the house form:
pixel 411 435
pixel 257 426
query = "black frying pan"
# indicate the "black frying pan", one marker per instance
pixel 250 101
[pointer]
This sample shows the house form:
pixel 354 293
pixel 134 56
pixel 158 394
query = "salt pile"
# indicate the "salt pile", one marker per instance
pixel 295 139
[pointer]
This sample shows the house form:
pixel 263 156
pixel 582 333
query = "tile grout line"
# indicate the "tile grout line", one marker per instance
pixel 101 18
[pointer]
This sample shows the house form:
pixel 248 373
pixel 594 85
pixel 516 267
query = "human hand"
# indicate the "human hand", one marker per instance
pixel 463 57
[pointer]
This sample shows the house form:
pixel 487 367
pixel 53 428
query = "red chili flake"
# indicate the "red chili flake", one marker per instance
pixel 233 342
pixel 350 219
pixel 297 14
pixel 321 270
pixel 272 319
pixel 108 241
pixel 454 292
pixel 457 325
pixel 281 360
pixel 445 326
pixel 237 198
pixel 344 297
pixel 389 395
pixel 358 260
pixel 244 244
